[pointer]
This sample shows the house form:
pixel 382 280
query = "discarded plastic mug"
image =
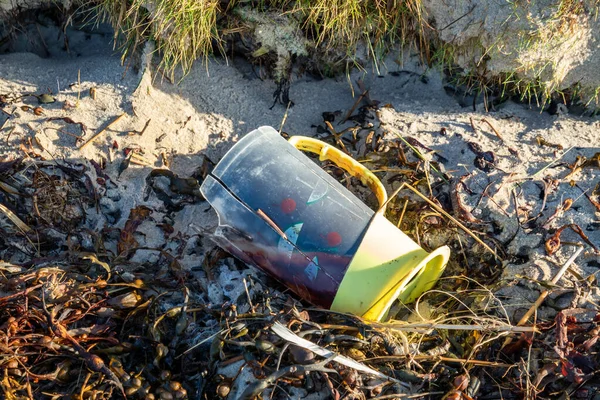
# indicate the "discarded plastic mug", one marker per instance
pixel 279 211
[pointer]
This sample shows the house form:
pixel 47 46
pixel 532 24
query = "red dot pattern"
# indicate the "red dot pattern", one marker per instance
pixel 334 239
pixel 288 206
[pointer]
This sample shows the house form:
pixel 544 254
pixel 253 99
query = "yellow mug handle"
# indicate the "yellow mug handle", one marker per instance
pixel 344 161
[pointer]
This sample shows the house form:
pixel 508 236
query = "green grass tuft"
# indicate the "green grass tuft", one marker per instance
pixel 187 30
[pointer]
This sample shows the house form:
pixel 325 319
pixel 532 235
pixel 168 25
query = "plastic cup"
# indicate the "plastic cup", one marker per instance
pixel 279 211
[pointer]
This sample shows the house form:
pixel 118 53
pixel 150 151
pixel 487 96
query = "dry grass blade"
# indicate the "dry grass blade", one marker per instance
pixel 480 363
pixel 428 327
pixel 15 220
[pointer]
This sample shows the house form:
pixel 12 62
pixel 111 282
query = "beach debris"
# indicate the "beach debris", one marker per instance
pixel 101 131
pixel 70 121
pixel 543 142
pixel 124 164
pixel 582 162
pixel 457 205
pixel 142 131
pixel 484 160
pixel 302 245
pixel 553 243
pixel 127 241
pixel 559 274
pixel 291 337
pixel 493 129
pixel 45 98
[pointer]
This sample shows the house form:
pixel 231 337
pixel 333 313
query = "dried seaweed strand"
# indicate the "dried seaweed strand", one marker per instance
pixel 93 362
pixel 594 202
pixel 553 243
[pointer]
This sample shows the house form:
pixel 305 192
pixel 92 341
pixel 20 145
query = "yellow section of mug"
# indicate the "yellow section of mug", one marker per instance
pixel 342 160
pixel 388 265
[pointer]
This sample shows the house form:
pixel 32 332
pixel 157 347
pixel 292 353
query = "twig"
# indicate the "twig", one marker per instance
pixel 473 125
pixel 145 127
pixel 285 115
pixel 356 103
pixel 493 129
pixel 480 363
pixel 337 136
pixel 200 343
pixel 248 294
pixel 97 135
pixel 4 122
pixel 594 202
pixel 551 163
pixel 545 293
pixel 78 88
pixel 10 132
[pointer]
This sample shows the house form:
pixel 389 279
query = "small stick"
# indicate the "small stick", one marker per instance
pixel 493 129
pixel 337 137
pixel 145 127
pixel 285 115
pixel 481 363
pixel 545 293
pixel 248 294
pixel 364 94
pixel 553 162
pixel 78 88
pixel 473 125
pixel 10 133
pixel 97 135
pixel 273 225
pixel 5 121
pixel 402 214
